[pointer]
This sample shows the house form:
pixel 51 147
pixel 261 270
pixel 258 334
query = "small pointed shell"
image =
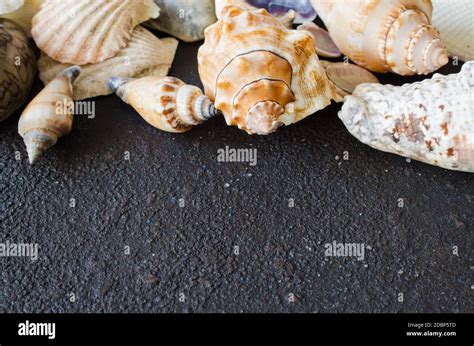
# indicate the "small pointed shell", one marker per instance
pixel 49 115
pixel 145 55
pixel 430 121
pixel 25 14
pixel 346 77
pixel 325 46
pixel 88 31
pixel 17 67
pixel 165 103
pixel 7 6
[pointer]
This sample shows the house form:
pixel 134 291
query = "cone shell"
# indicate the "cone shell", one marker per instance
pixel 145 55
pixel 49 115
pixel 385 36
pixel 165 103
pixel 455 21
pixel 249 57
pixel 431 121
pixel 17 68
pixel 7 6
pixel 25 14
pixel 88 31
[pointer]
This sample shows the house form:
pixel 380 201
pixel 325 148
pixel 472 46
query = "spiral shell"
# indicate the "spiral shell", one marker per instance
pixel 165 103
pixel 24 14
pixel 49 115
pixel 145 55
pixel 88 31
pixel 17 68
pixel 431 121
pixel 385 35
pixel 251 64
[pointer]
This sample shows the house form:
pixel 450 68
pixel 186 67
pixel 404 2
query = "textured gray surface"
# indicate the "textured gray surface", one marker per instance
pixel 190 249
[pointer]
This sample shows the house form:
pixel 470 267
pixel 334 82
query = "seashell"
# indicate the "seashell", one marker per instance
pixel 385 36
pixel 431 121
pixel 325 46
pixel 49 115
pixel 251 64
pixel 88 31
pixel 455 22
pixel 346 77
pixel 145 55
pixel 24 14
pixel 17 68
pixel 184 19
pixel 7 6
pixel 165 103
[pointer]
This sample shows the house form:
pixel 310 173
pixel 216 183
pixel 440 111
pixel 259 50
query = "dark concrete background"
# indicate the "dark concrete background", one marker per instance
pixel 190 250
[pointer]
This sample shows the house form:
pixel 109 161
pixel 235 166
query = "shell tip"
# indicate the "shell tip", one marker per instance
pixel 34 152
pixel 116 82
pixel 72 73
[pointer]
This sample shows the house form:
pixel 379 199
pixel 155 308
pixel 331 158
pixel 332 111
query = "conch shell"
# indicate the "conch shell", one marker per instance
pixel 455 22
pixel 49 115
pixel 17 68
pixel 24 14
pixel 184 19
pixel 261 74
pixel 88 31
pixel 431 121
pixel 165 103
pixel 385 35
pixel 145 55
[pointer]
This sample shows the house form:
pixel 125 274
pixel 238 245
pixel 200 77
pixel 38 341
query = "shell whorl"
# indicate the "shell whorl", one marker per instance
pixel 49 115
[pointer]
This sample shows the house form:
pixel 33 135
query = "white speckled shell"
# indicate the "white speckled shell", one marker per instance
pixel 431 121
pixel 7 6
pixel 25 14
pixel 88 31
pixel 145 55
pixel 455 22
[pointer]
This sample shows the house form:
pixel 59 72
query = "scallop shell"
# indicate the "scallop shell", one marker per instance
pixel 385 36
pixel 165 103
pixel 7 6
pixel 431 121
pixel 325 46
pixel 145 55
pixel 49 115
pixel 88 31
pixel 25 14
pixel 184 19
pixel 455 21
pixel 250 62
pixel 17 68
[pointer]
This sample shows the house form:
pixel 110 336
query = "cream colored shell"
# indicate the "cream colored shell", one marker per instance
pixel 251 64
pixel 145 55
pixel 88 31
pixel 24 14
pixel 455 22
pixel 7 6
pixel 385 35
pixel 431 121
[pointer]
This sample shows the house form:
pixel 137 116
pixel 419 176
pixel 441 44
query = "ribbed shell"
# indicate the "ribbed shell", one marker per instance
pixel 88 31
pixel 145 55
pixel 430 121
pixel 455 21
pixel 25 14
pixel 248 50
pixel 7 6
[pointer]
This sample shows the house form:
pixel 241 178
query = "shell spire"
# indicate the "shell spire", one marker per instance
pixel 165 103
pixel 49 115
pixel 385 36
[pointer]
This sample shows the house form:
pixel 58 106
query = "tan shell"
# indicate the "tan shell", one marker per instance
pixel 7 6
pixel 25 14
pixel 49 115
pixel 145 55
pixel 252 64
pixel 325 46
pixel 88 31
pixel 165 103
pixel 385 36
pixel 346 77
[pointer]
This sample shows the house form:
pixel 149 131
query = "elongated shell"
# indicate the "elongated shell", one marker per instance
pixel 49 115
pixel 17 67
pixel 455 22
pixel 145 55
pixel 385 35
pixel 431 121
pixel 165 103
pixel 25 14
pixel 7 6
pixel 184 19
pixel 88 31
pixel 261 74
